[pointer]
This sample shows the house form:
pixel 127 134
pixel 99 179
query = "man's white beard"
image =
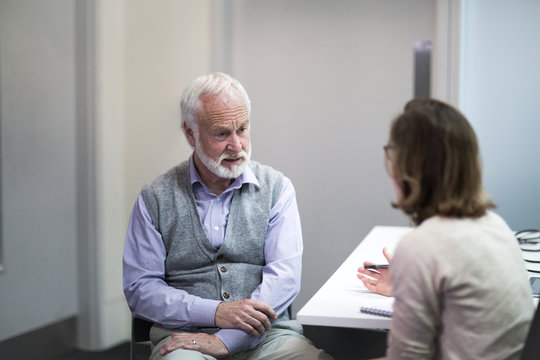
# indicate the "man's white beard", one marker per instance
pixel 219 170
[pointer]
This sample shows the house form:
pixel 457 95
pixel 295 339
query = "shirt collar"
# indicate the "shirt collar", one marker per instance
pixel 247 177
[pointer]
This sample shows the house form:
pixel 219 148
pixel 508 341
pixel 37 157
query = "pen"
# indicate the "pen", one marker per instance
pixel 385 266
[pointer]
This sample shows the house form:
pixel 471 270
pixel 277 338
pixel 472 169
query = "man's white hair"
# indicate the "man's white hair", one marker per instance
pixel 210 84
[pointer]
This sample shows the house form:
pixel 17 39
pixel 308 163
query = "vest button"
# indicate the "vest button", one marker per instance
pixel 226 295
pixel 219 257
pixel 223 269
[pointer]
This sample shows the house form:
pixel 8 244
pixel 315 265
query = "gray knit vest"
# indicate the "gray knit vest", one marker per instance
pixel 231 272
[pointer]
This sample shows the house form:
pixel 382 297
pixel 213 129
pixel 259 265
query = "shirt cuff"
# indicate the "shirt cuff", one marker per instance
pixel 203 312
pixel 237 340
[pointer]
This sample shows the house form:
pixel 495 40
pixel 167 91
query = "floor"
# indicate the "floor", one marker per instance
pixel 120 352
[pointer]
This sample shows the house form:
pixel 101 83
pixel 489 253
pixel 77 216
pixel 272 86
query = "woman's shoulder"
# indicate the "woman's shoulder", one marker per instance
pixel 429 233
pixel 440 234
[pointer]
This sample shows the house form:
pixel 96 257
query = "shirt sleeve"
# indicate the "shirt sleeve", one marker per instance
pixel 147 294
pixel 416 317
pixel 282 273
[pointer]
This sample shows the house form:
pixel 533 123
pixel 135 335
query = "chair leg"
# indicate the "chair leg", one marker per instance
pixel 132 342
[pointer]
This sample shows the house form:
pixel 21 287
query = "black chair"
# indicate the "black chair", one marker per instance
pixel 531 350
pixel 140 332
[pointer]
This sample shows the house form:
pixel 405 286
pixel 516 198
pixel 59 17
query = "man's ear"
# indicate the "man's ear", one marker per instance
pixel 190 135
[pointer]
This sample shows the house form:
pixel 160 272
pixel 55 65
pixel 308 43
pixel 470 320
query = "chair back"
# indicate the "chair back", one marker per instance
pixel 140 329
pixel 140 332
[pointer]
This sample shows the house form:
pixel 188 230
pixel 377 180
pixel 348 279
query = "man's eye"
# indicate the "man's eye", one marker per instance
pixel 222 135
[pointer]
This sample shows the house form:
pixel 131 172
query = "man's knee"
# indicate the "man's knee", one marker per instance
pixel 179 354
pixel 293 347
pixel 285 347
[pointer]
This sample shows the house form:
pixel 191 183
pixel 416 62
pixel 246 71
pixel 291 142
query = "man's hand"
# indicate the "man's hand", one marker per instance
pixel 201 342
pixel 254 317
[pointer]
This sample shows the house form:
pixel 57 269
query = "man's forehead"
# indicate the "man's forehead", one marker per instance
pixel 220 109
pixel 226 123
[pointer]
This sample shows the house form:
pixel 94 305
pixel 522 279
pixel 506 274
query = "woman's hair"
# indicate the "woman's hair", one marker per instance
pixel 210 84
pixel 436 162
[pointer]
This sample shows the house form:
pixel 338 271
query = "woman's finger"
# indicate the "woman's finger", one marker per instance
pixel 387 254
pixel 372 273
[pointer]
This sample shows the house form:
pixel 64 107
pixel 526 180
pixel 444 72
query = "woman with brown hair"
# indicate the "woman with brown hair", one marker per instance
pixel 459 281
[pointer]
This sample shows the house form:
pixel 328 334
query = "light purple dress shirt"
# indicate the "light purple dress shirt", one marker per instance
pixel 149 296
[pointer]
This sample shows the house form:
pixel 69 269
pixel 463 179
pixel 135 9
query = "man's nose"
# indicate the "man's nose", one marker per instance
pixel 234 144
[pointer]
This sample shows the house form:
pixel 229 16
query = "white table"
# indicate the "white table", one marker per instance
pixel 338 301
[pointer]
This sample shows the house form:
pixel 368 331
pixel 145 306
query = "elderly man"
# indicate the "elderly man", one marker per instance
pixel 214 246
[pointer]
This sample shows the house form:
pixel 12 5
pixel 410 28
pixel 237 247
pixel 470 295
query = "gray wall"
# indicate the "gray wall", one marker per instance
pixel 37 94
pixel 325 79
pixel 500 94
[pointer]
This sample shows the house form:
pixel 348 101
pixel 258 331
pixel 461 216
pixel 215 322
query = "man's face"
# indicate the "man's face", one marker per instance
pixel 223 142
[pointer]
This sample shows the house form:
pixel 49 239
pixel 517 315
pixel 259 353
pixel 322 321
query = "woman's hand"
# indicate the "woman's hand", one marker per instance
pixel 377 280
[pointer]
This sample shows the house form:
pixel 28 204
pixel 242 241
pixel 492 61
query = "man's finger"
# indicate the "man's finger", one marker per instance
pixel 258 322
pixel 263 320
pixel 251 330
pixel 265 309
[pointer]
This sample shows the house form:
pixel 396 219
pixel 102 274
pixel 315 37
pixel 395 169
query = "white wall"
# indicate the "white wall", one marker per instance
pixel 500 94
pixel 326 78
pixel 146 53
pixel 110 128
pixel 37 93
pixel 167 46
pixel 89 95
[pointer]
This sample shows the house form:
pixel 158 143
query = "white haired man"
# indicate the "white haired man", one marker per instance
pixel 214 246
